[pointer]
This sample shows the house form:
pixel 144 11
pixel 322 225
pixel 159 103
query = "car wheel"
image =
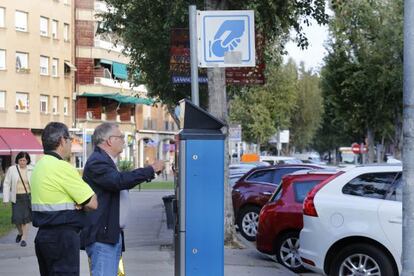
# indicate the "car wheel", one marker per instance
pixel 362 259
pixel 287 251
pixel 247 222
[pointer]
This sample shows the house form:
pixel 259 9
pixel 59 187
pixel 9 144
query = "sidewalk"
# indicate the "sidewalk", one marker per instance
pixel 148 247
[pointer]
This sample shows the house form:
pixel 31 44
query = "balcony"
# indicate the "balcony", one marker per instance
pixel 107 45
pixel 123 85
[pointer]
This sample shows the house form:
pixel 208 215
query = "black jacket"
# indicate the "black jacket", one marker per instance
pixel 102 175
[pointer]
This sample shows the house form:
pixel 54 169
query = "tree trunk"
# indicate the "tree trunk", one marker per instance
pixel 398 137
pixel 217 105
pixel 371 148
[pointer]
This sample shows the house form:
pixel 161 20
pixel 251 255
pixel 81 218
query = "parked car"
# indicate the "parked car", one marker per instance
pixel 280 220
pixel 237 170
pixel 244 167
pixel 353 224
pixel 253 190
pixel 275 160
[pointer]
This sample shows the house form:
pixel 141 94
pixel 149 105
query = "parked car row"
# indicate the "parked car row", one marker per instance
pixel 344 221
pixel 253 190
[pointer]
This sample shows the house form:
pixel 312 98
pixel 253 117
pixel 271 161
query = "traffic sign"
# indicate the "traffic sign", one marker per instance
pixel 356 148
pixel 226 38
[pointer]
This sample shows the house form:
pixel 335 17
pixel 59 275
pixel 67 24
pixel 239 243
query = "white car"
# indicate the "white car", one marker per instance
pixel 352 225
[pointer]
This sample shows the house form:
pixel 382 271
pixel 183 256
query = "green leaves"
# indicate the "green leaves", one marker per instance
pixel 362 78
pixel 144 27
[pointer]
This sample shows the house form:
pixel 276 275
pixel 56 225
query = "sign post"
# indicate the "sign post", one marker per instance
pixel 193 55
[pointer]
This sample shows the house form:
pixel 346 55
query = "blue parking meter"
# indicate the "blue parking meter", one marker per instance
pixel 199 233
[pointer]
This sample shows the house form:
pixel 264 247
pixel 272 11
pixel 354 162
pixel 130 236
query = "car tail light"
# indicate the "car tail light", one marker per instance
pixel 308 205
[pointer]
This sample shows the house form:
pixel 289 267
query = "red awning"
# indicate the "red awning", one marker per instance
pixel 19 139
pixel 4 148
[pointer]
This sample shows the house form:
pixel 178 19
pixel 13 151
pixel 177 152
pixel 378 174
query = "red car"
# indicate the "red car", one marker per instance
pixel 253 190
pixel 280 220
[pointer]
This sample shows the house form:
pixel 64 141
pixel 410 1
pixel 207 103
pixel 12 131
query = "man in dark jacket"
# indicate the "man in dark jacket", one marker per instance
pixel 102 238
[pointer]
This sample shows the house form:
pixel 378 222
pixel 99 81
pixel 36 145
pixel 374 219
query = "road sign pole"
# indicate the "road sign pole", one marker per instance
pixel 408 142
pixel 192 11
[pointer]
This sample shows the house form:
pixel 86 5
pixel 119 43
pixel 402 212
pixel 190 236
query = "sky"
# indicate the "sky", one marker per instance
pixel 313 55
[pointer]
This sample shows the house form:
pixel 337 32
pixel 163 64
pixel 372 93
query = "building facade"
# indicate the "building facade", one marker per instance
pixel 103 92
pixel 54 66
pixel 36 71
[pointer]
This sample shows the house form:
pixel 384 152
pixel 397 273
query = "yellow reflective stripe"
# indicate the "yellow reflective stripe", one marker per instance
pixel 53 207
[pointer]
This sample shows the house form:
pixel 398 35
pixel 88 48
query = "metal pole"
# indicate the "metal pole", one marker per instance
pixel 84 149
pixel 408 142
pixel 192 11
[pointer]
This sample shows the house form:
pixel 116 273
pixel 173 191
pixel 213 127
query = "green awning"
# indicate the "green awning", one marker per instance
pixel 121 98
pixel 120 70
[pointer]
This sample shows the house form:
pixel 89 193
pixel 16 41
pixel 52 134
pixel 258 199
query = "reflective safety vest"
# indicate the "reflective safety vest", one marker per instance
pixel 56 188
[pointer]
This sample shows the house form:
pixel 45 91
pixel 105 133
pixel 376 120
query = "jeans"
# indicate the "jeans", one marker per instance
pixel 104 258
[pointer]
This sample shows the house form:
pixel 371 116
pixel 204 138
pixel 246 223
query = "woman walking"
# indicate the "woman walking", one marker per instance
pixel 16 189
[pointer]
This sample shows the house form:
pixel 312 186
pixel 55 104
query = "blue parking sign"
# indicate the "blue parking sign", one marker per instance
pixel 226 38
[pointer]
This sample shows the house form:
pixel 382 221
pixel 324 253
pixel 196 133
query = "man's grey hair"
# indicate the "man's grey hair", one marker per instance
pixel 102 133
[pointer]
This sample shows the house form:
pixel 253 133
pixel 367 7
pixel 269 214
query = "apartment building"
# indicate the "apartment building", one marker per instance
pixel 103 92
pixel 36 71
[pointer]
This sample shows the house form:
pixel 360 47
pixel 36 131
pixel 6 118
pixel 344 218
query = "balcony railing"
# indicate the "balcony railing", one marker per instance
pixel 108 45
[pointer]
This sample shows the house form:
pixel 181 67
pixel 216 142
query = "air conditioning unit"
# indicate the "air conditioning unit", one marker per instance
pixel 89 115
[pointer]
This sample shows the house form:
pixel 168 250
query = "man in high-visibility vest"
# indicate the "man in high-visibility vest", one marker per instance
pixel 59 200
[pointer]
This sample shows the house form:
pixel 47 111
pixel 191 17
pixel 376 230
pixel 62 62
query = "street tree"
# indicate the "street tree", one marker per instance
pixel 262 110
pixel 307 114
pixel 144 28
pixel 362 79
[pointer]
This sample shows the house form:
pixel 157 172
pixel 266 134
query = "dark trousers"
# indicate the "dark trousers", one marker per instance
pixel 57 251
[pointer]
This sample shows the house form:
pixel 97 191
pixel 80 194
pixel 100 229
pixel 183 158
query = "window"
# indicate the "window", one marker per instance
pixel 22 101
pixel 283 171
pixel 44 100
pixel 262 176
pixel 277 194
pixel 22 61
pixel 2 99
pixel 395 193
pixel 302 188
pixel 55 101
pixel 2 15
pixel 44 26
pixel 54 29
pixel 373 185
pixel 55 66
pixel 2 59
pixel 21 21
pixel 44 65
pixel 146 111
pixel 66 32
pixel 66 106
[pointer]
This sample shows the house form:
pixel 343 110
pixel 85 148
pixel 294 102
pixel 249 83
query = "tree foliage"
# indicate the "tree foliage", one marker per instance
pixel 262 110
pixel 144 28
pixel 362 79
pixel 307 114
